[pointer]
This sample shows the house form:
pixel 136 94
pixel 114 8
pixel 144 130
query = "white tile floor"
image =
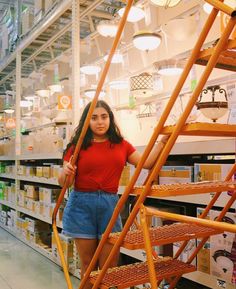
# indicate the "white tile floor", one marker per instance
pixel 23 268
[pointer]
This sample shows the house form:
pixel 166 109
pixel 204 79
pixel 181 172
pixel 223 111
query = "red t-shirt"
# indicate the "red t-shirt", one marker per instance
pixel 99 167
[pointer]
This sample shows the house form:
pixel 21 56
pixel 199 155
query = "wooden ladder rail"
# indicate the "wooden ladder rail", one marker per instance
pixel 80 141
pixel 192 59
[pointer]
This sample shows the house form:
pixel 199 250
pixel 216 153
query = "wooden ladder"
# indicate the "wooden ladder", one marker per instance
pixel 155 269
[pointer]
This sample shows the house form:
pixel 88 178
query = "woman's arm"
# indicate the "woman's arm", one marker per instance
pixel 135 156
pixel 67 170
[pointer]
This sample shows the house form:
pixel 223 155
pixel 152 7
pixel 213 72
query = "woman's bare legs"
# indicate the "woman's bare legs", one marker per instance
pixel 86 249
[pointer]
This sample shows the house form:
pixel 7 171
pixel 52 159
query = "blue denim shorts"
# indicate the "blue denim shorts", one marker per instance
pixel 87 214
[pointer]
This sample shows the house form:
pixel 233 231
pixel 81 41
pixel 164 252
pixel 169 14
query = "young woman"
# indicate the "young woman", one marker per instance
pixel 102 157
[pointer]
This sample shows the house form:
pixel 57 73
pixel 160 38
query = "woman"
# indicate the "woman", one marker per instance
pixel 102 157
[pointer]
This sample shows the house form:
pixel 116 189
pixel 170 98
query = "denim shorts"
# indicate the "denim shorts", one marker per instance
pixel 87 214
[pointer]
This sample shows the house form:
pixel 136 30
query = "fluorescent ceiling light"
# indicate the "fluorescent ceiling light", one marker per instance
pixel 119 84
pixel 90 93
pixel 135 14
pixel 107 28
pixel 146 40
pixel 90 69
pixel 117 58
pixel 165 3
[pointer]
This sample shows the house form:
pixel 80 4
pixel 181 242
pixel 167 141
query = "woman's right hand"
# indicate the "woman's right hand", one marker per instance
pixel 68 169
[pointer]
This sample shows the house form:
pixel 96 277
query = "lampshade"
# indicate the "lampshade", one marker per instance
pixel 26 103
pixel 145 40
pixel 117 58
pixel 9 110
pixel 90 93
pixel 135 14
pixel 55 88
pixel 165 3
pixel 119 84
pixel 29 97
pixel 43 92
pixel 107 28
pixel 169 67
pixel 213 102
pixel 180 29
pixel 141 85
pixel 90 69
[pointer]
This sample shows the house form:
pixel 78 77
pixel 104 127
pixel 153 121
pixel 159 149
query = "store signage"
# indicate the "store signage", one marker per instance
pixel 10 123
pixel 64 102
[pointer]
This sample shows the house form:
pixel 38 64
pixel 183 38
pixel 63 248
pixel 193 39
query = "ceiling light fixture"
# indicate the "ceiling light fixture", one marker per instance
pixel 9 110
pixel 90 93
pixel 135 14
pixel 141 85
pixel 90 69
pixel 55 88
pixel 107 28
pixel 43 92
pixel 119 84
pixel 169 67
pixel 209 106
pixel 26 103
pixel 165 3
pixel 146 40
pixel 117 58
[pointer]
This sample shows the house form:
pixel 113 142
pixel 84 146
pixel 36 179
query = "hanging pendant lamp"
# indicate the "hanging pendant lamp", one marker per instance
pixel 165 3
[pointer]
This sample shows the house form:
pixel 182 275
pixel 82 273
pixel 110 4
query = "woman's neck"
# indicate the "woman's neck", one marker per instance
pixel 100 138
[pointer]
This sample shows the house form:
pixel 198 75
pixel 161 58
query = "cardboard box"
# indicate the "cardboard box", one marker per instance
pixel 175 174
pixel 203 259
pixel 211 172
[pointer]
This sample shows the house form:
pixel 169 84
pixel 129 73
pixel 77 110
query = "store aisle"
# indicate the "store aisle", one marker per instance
pixel 23 268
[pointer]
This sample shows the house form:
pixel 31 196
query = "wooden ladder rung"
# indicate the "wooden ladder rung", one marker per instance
pixel 137 273
pixel 187 189
pixel 167 234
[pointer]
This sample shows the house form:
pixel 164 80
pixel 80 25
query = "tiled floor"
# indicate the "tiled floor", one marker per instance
pixel 23 268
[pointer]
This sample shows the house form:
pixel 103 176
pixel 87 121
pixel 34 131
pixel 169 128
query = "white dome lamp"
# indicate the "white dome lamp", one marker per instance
pixel 107 28
pixel 135 14
pixel 169 67
pixel 90 69
pixel 146 40
pixel 214 104
pixel 116 58
pixel 90 93
pixel 165 3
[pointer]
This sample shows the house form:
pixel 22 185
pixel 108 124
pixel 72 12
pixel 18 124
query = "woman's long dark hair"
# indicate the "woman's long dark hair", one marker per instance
pixel 113 132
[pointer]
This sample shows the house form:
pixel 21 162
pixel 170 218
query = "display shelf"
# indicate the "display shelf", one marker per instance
pixel 208 280
pixel 7 158
pixel 38 180
pixel 8 204
pixel 7 176
pixel 46 125
pixel 48 156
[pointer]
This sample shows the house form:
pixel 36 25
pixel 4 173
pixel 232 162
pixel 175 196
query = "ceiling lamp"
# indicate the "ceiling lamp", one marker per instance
pixel 119 84
pixel 90 93
pixel 54 88
pixel 30 97
pixel 165 3
pixel 9 110
pixel 146 40
pixel 90 69
pixel 169 67
pixel 180 29
pixel 209 106
pixel 116 58
pixel 107 28
pixel 26 103
pixel 43 92
pixel 141 85
pixel 135 14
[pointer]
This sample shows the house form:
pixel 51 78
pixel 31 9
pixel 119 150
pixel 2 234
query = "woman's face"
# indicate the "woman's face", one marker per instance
pixel 99 122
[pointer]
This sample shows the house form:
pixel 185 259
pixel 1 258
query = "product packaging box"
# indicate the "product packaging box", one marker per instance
pixel 175 174
pixel 211 172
